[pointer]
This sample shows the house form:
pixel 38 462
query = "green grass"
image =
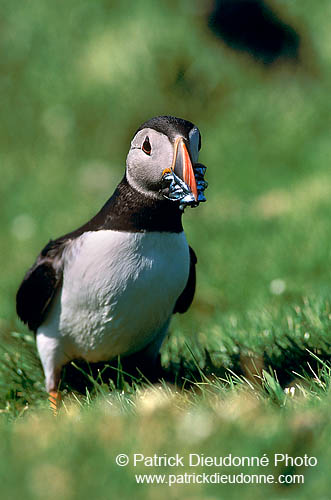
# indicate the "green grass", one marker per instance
pixel 247 370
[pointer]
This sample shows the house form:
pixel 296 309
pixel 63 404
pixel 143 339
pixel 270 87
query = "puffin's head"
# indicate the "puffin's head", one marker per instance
pixel 162 161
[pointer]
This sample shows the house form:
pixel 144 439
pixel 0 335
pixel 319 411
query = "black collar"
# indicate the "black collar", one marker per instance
pixel 131 211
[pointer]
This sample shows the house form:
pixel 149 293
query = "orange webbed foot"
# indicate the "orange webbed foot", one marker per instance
pixel 54 400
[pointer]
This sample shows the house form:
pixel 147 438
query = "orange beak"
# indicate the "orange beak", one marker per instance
pixel 182 166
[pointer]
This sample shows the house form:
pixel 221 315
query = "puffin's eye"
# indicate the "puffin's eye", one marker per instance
pixel 146 147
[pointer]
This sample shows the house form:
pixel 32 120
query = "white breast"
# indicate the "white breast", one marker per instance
pixel 119 290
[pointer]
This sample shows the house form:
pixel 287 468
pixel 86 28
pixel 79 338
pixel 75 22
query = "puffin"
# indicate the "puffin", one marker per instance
pixel 110 287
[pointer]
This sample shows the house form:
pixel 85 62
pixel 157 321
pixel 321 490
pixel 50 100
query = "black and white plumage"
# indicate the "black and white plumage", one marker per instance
pixel 110 287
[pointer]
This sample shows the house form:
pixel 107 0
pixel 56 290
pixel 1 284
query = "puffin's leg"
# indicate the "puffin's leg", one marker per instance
pixel 52 359
pixel 54 393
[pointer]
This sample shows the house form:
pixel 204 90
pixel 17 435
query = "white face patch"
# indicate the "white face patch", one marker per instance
pixel 194 144
pixel 144 171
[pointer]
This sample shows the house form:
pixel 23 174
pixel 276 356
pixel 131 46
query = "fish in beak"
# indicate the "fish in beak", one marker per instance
pixel 186 180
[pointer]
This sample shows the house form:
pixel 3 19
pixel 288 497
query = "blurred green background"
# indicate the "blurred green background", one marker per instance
pixel 76 80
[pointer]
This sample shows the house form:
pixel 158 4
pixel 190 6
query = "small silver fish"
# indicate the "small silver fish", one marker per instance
pixel 179 190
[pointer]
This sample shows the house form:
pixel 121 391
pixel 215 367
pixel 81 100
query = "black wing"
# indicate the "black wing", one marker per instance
pixel 40 284
pixel 43 279
pixel 185 299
